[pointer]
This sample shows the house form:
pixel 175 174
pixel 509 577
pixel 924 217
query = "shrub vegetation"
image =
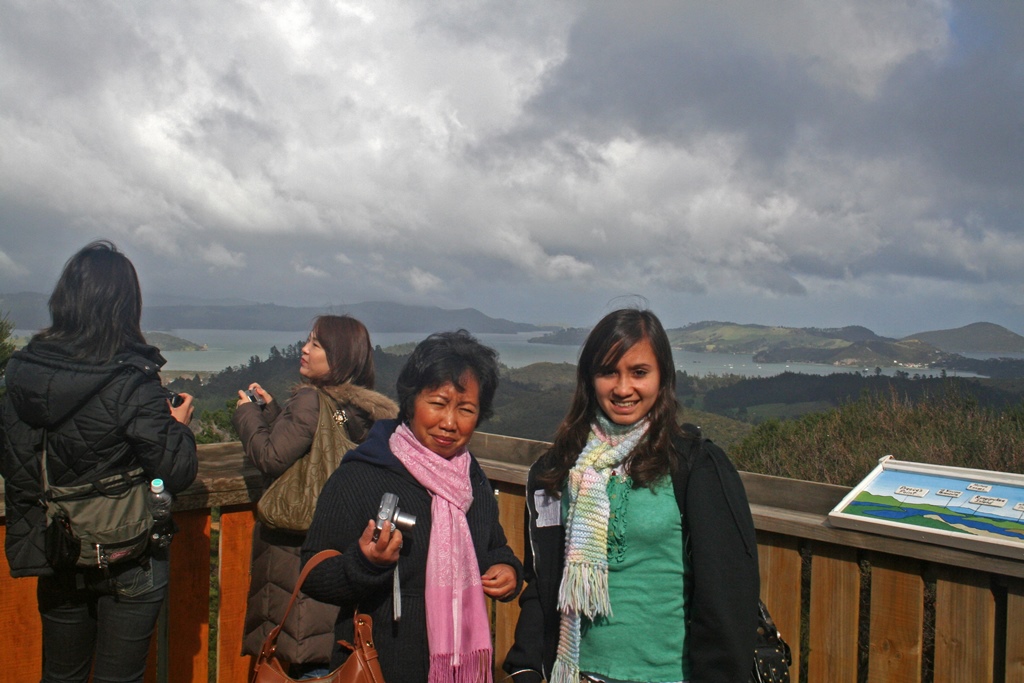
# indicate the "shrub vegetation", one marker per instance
pixel 842 445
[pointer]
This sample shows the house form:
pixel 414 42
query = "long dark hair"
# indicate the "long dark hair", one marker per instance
pixel 96 306
pixel 346 342
pixel 611 338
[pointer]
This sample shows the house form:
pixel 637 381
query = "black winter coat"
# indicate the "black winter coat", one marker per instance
pixel 722 618
pixel 348 501
pixel 101 418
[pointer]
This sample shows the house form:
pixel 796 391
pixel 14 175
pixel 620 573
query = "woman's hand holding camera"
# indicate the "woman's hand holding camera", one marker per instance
pixel 254 394
pixel 499 581
pixel 383 551
pixel 181 407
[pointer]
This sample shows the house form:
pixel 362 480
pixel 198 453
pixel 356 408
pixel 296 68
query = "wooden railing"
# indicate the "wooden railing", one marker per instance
pixel 854 606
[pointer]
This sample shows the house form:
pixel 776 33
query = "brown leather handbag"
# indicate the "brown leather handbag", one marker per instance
pixel 360 667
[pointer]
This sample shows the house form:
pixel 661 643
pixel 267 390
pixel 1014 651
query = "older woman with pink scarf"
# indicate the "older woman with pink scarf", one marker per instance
pixel 425 586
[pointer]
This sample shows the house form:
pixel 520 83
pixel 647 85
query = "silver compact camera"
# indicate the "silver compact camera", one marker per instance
pixel 390 512
pixel 255 397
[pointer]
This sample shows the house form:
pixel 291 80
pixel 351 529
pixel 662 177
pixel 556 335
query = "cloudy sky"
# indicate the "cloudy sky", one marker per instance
pixel 795 162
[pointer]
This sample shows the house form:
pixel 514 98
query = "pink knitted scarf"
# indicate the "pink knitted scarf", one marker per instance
pixel 458 628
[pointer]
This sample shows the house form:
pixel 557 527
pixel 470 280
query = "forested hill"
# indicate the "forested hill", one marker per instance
pixel 529 403
pixel 532 400
pixel 851 346
pixel 728 337
pixel 974 338
pixel 791 388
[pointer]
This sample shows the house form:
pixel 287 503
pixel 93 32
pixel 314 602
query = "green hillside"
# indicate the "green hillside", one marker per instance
pixel 973 338
pixel 570 336
pixel 842 445
pixel 168 342
pixel 734 338
pixel 907 353
pixel 727 337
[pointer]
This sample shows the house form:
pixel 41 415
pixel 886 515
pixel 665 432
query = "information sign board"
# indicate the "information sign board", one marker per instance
pixel 964 508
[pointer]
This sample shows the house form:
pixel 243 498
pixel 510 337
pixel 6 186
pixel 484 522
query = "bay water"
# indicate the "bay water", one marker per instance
pixel 228 348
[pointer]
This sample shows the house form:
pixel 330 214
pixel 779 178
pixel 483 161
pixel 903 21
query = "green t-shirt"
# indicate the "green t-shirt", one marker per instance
pixel 643 639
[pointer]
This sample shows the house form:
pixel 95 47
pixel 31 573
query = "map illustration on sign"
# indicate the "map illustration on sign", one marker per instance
pixel 970 509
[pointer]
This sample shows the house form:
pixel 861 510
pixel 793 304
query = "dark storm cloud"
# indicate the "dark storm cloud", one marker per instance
pixel 725 159
pixel 951 118
pixel 670 70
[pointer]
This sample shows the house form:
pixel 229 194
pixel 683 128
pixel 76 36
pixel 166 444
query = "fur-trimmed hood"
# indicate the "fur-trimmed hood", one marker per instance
pixel 377 405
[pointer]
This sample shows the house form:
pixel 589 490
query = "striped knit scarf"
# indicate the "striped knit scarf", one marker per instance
pixel 584 588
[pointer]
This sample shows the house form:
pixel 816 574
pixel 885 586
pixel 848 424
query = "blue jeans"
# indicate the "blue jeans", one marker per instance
pixel 92 621
pixel 303 671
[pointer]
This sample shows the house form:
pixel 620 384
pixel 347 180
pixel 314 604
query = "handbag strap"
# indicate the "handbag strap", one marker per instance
pixel 113 485
pixel 142 377
pixel 270 644
pixel 362 635
pixel 336 412
pixel 42 469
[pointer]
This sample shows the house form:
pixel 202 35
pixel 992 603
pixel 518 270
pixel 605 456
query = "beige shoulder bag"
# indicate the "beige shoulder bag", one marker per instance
pixel 289 502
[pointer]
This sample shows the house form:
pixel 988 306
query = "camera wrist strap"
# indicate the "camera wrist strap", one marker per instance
pixel 396 595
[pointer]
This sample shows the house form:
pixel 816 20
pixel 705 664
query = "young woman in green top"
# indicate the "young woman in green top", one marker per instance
pixel 641 561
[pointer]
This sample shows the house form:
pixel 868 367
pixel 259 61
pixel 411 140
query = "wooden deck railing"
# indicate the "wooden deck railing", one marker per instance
pixel 854 606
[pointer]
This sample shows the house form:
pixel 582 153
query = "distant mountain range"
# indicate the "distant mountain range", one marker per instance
pixel 28 311
pixel 853 345
pixel 726 337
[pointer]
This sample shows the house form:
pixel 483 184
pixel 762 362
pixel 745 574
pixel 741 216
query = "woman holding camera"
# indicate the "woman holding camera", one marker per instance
pixel 455 553
pixel 641 561
pixel 337 360
pixel 85 393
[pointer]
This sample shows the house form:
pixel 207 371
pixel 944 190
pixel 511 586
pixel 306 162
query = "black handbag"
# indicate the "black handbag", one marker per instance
pixel 772 656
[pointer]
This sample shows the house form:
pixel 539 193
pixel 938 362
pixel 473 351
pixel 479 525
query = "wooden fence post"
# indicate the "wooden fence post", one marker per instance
pixel 965 610
pixel 896 638
pixel 835 612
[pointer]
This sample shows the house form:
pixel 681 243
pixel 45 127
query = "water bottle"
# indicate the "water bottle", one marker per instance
pixel 160 505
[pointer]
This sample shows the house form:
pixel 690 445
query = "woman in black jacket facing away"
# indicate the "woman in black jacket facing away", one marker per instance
pixel 89 385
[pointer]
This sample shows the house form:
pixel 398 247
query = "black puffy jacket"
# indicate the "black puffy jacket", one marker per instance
pixel 101 418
